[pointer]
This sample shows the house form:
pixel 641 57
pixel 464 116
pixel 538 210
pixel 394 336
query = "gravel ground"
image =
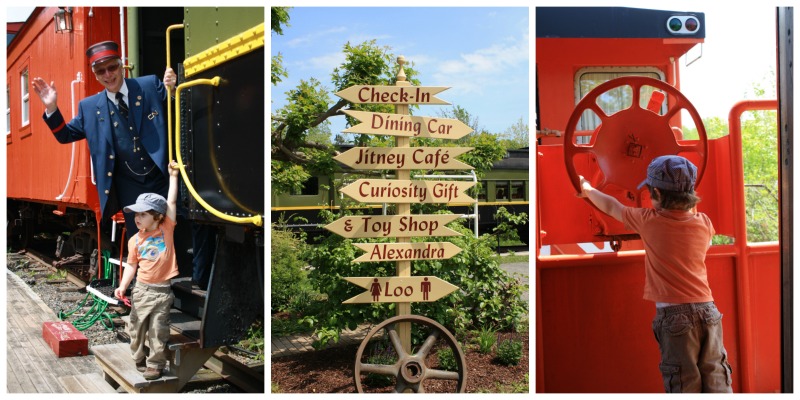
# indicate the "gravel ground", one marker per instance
pixel 34 274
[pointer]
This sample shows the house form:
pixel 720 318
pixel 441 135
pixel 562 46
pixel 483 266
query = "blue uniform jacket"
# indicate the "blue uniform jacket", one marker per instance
pixel 146 98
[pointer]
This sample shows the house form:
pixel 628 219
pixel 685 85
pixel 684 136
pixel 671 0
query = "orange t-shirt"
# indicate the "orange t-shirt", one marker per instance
pixel 154 252
pixel 675 244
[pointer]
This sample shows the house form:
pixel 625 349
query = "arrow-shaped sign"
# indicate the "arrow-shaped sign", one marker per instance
pixel 404 158
pixel 400 289
pixel 376 123
pixel 370 226
pixel 406 251
pixel 408 191
pixel 373 94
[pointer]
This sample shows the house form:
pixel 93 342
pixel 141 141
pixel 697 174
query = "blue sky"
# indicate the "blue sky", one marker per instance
pixel 482 54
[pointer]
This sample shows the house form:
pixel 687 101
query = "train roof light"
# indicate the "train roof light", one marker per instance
pixel 683 25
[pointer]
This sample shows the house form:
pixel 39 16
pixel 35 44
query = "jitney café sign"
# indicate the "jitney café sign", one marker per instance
pixel 408 191
pixel 404 158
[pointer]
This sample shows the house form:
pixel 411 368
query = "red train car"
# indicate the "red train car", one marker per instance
pixel 597 69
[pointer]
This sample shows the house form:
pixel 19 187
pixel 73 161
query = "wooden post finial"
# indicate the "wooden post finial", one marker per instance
pixel 401 73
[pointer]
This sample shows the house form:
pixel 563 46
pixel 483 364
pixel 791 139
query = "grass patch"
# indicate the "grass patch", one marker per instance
pixel 513 259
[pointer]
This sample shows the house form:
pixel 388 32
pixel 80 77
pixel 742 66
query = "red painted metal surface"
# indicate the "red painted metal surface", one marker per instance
pixel 593 328
pixel 38 167
pixel 590 311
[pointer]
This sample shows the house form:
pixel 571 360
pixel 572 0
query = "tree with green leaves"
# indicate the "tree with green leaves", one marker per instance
pixel 300 130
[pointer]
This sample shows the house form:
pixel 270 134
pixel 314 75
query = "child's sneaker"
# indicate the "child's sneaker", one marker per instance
pixel 141 366
pixel 152 374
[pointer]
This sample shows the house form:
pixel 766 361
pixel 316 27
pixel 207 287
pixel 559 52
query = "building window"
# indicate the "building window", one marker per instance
pixel 310 188
pixel 25 97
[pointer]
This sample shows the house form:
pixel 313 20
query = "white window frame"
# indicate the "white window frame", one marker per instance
pixel 8 109
pixel 25 96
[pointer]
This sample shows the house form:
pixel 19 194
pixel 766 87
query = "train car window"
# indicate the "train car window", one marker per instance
pixel 612 101
pixel 481 191
pixel 310 188
pixel 25 97
pixel 518 190
pixel 500 191
pixel 8 111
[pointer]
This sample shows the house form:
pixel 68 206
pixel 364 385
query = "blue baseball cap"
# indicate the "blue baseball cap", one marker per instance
pixel 147 202
pixel 671 173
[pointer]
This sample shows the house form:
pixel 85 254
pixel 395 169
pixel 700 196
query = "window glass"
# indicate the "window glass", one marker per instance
pixel 501 190
pixel 481 191
pixel 8 111
pixel 611 101
pixel 25 98
pixel 310 188
pixel 518 190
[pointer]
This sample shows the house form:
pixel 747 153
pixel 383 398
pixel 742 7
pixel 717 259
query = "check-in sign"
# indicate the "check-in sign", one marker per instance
pixel 404 158
pixel 371 226
pixel 408 191
pixel 375 94
pixel 400 289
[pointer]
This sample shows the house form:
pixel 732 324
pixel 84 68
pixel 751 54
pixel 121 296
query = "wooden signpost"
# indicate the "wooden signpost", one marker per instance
pixel 406 251
pixel 436 158
pixel 404 288
pixel 400 94
pixel 370 226
pixel 407 125
pixel 393 289
pixel 403 191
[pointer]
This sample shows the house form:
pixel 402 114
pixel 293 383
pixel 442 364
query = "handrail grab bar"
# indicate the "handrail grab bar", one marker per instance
pixel 256 219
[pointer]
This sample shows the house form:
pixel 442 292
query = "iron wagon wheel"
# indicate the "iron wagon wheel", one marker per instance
pixel 412 370
pixel 625 142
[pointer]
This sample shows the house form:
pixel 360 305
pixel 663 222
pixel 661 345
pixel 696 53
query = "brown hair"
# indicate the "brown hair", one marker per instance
pixel 156 215
pixel 674 200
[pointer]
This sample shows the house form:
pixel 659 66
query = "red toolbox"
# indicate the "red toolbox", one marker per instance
pixel 64 339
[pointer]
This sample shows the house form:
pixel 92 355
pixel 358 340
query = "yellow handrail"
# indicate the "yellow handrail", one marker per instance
pixel 256 219
pixel 169 97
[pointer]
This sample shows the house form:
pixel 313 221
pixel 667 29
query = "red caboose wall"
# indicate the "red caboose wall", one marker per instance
pixel 37 165
pixel 555 74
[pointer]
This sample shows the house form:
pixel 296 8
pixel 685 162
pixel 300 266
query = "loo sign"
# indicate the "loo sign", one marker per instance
pixel 400 289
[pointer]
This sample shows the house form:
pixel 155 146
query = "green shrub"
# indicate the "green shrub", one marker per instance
pixel 287 274
pixel 487 295
pixel 486 340
pixel 383 354
pixel 509 352
pixel 447 360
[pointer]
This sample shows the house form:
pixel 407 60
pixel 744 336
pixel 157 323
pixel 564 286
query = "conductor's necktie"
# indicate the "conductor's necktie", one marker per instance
pixel 123 108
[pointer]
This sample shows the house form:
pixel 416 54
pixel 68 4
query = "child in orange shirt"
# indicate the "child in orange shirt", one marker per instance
pixel 151 253
pixel 687 326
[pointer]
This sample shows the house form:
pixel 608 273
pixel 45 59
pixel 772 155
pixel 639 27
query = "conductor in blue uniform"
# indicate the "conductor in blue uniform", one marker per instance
pixel 126 129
